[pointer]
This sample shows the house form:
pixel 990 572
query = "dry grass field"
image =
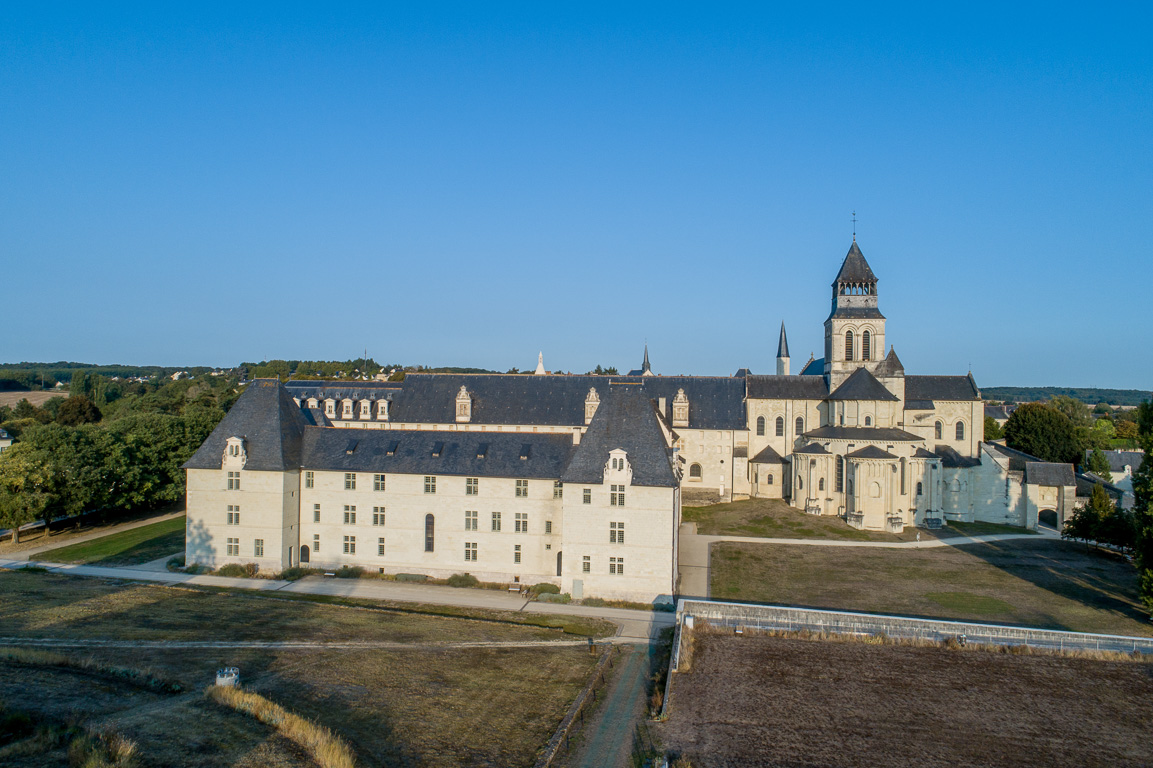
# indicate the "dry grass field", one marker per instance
pixel 1039 582
pixel 35 398
pixel 760 701
pixel 422 705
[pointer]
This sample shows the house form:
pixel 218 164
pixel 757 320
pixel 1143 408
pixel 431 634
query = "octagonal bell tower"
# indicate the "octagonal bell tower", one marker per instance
pixel 855 329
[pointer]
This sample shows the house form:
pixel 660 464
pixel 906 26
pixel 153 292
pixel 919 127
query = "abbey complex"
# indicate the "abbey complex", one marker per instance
pixel 579 480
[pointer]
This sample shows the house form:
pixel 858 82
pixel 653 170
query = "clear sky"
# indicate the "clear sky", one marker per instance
pixel 467 185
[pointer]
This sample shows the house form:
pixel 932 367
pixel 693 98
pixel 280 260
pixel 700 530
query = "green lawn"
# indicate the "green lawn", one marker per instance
pixel 131 547
pixel 1039 582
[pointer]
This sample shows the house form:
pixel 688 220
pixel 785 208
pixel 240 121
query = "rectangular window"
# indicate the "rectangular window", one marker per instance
pixel 616 533
pixel 316 513
pixel 522 522
pixel 233 515
pixel 232 547
pixel 557 489
pixel 548 526
pixel 588 496
pixel 380 547
pixel 470 551
pixel 429 484
pixel 350 481
pixel 378 515
pixel 378 482
pixel 349 515
pixel 471 486
pixel 316 542
pixel 522 489
pixel 516 554
pixel 309 479
pixel 586 564
pixel 258 548
pixel 234 481
pixel 350 545
pixel 617 496
pixel 470 520
pixel 496 521
pixel 617 566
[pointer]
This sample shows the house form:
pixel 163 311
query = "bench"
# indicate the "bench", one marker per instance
pixel 329 574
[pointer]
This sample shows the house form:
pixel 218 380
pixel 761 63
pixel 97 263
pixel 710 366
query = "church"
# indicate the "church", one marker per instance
pixel 579 480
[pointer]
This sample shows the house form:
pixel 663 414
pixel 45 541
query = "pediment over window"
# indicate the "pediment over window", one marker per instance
pixel 235 454
pixel 618 470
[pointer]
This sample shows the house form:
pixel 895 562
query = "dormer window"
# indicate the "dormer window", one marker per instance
pixel 592 401
pixel 346 411
pixel 235 453
pixel 365 409
pixel 681 410
pixel 463 406
pixel 617 469
pixel 330 408
pixel 312 402
pixel 382 409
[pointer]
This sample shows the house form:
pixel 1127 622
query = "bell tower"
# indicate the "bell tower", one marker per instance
pixel 855 329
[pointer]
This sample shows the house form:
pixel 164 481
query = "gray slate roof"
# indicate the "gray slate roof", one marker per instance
pixel 271 424
pixel 941 388
pixel 412 452
pixel 783 343
pixel 864 434
pixel 857 313
pixel 787 388
pixel 921 453
pixel 920 405
pixel 767 455
pixel 854 269
pixel 1118 460
pixel 815 449
pixel 814 367
pixel 625 420
pixel 1049 473
pixel 891 366
pixel 862 385
pixel 870 452
pixel 951 459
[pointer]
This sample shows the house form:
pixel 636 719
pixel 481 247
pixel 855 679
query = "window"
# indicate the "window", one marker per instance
pixel 350 481
pixel 799 427
pixel 516 554
pixel 840 484
pixel 429 532
pixel 938 430
pixel 234 481
pixel 309 479
pixel 378 515
pixel 960 430
pixel 617 496
pixel 780 431
pixel 821 484
pixel 378 482
pixel 865 346
pixel 470 521
pixel 557 489
pixel 588 496
pixel 316 542
pixel 429 484
pixel 616 533
pixel 380 547
pixel 350 545
pixel 903 476
pixel 695 472
pixel 232 548
pixel 617 566
pixel 522 489
pixel 586 564
pixel 234 450
pixel 848 345
pixel 868 421
pixel 349 515
pixel 761 425
pixel 920 488
pixel 316 513
pixel 522 522
pixel 471 486
pixel 496 521
pixel 258 548
pixel 233 515
pixel 470 551
pixel 769 481
pixel 800 483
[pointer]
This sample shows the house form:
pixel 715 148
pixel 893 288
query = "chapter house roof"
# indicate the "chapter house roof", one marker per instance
pixel 870 452
pixel 862 385
pixel 864 434
pixel 767 455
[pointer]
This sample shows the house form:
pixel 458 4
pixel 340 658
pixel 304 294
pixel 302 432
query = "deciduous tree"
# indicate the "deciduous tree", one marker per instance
pixel 1044 432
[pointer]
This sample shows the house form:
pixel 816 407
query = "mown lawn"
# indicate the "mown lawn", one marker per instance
pixel 1038 582
pixel 131 547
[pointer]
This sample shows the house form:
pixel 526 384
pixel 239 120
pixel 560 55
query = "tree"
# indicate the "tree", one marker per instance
pixel 77 410
pixel 24 493
pixel 1075 410
pixel 1126 430
pixel 1044 432
pixel 1143 508
pixel 1099 465
pixel 993 430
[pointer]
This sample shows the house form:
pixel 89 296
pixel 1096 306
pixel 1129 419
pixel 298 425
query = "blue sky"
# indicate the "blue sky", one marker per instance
pixel 458 185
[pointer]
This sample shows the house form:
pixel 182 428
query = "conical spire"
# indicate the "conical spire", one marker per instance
pixel 645 367
pixel 855 269
pixel 783 343
pixel 540 371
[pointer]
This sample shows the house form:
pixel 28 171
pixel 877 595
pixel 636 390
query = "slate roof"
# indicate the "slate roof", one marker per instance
pixel 920 405
pixel 921 453
pixel 951 459
pixel 1086 481
pixel 412 452
pixel 1017 459
pixel 870 452
pixel 783 343
pixel 815 449
pixel 941 388
pixel 1118 460
pixel 854 269
pixel 767 455
pixel 1000 412
pixel 814 367
pixel 271 424
pixel 787 388
pixel 857 313
pixel 742 373
pixel 862 385
pixel 625 420
pixel 864 434
pixel 1049 473
pixel 891 366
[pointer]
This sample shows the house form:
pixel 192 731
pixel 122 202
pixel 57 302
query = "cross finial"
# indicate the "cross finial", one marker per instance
pixel 854 226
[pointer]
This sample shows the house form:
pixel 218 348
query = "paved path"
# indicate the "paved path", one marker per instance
pixel 608 741
pixel 51 642
pixel 632 626
pixel 24 554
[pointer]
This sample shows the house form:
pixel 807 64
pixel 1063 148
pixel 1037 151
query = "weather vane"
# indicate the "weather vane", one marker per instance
pixel 854 226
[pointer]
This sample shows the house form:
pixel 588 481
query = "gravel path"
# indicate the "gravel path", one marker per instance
pixel 37 642
pixel 608 739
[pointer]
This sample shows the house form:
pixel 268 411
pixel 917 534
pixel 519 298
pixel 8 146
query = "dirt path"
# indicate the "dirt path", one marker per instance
pixel 607 740
pixel 39 642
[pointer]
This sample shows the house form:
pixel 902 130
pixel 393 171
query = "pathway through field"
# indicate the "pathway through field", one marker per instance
pixel 40 642
pixel 608 739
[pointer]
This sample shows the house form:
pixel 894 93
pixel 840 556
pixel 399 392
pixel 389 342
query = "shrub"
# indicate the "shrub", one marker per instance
pixel 295 572
pixel 463 580
pixel 196 569
pixel 545 588
pixel 175 563
pixel 411 577
pixel 348 572
pixel 553 597
pixel 595 602
pixel 238 570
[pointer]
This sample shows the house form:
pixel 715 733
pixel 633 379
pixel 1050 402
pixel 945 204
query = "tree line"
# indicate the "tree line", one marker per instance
pixel 1063 429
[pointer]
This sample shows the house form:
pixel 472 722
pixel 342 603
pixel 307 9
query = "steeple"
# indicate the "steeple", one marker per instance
pixel 540 371
pixel 783 353
pixel 646 369
pixel 855 328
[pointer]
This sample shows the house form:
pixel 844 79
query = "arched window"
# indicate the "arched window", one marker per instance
pixel 821 484
pixel 800 483
pixel 902 476
pixel 780 426
pixel 868 421
pixel 840 485
pixel 865 346
pixel 429 532
pixel 960 430
pixel 938 430
pixel 800 427
pixel 920 488
pixel 695 472
pixel 760 425
pixel 769 481
pixel 848 345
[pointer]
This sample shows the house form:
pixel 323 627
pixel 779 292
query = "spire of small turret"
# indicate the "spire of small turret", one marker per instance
pixel 646 369
pixel 783 353
pixel 540 371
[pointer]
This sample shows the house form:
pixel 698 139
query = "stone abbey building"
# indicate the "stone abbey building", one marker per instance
pixel 579 480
